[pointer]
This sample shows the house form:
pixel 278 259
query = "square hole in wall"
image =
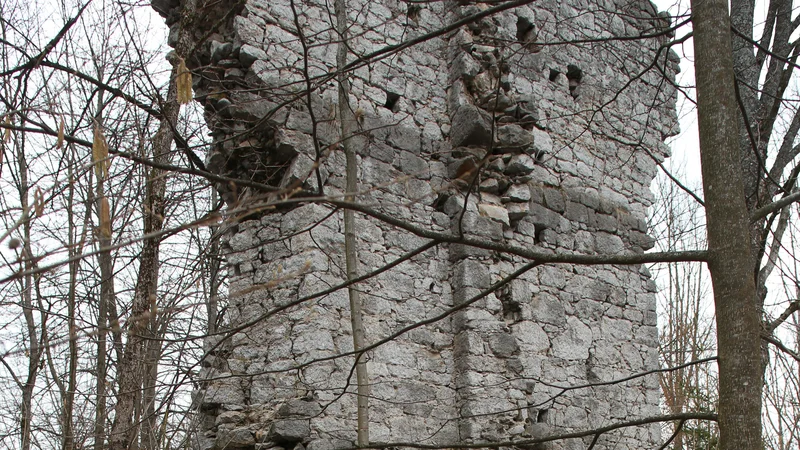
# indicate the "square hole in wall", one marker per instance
pixel 392 101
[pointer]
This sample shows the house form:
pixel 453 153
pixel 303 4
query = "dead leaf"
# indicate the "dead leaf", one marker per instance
pixel 105 218
pixel 60 140
pixel 7 136
pixel 38 202
pixel 100 153
pixel 183 81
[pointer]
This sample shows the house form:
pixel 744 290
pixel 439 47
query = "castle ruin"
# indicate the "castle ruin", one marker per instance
pixel 537 128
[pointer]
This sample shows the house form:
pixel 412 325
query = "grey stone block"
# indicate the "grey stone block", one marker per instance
pixel 252 108
pixel 503 345
pixel 223 391
pixel 607 222
pixel 542 142
pixel 460 251
pixel 464 65
pixel 608 244
pixel 289 430
pixel 465 168
pixel 521 164
pixel 470 126
pixel 517 211
pixel 574 342
pixel 300 121
pixel 291 143
pixel 328 444
pixel 518 193
pixel 548 309
pixel 411 164
pixel 235 417
pixel 471 273
pixel 405 138
pixel 299 172
pixel 544 217
pixel 531 337
pixel 240 437
pixel 249 54
pixel 512 137
pixel 494 212
pixel 474 224
pixel 577 212
pixel 299 408
pixel 490 185
pixel 555 199
pixel 641 240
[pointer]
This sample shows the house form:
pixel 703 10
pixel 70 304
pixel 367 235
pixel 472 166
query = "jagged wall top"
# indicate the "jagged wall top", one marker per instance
pixel 252 57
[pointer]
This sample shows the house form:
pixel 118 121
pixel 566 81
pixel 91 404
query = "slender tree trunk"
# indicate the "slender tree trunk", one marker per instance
pixel 75 249
pixel 139 367
pixel 155 208
pixel 107 297
pixel 107 302
pixel 149 429
pixel 34 349
pixel 730 258
pixel 347 122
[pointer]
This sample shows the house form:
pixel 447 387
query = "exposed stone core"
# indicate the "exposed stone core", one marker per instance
pixel 546 115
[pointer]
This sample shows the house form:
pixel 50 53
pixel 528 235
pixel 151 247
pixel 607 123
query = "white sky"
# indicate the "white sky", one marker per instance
pixel 685 160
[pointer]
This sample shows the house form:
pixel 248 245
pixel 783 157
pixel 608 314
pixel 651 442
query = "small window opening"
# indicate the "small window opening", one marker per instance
pixel 440 201
pixel 512 312
pixel 413 12
pixel 537 233
pixel 554 74
pixel 391 101
pixel 574 75
pixel 539 156
pixel 525 29
pixel 574 72
pixel 542 415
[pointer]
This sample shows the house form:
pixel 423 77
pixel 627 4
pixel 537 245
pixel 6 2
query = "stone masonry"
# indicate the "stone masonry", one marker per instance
pixel 538 127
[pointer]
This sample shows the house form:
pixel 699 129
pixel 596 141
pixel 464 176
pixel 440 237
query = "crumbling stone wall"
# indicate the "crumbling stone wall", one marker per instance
pixel 537 127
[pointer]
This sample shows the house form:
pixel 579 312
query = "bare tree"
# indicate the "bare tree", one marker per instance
pixel 686 331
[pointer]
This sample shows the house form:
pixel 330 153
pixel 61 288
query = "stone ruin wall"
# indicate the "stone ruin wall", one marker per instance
pixel 578 131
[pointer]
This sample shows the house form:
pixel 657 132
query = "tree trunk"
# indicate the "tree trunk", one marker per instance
pixel 730 259
pixel 347 122
pixel 75 249
pixel 137 368
pixel 155 208
pixel 34 350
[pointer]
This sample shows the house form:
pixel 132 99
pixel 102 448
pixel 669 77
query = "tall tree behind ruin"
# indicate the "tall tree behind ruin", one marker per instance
pixel 764 57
